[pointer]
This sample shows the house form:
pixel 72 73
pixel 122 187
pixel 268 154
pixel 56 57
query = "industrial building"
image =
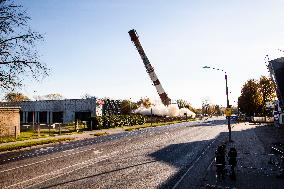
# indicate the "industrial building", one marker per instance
pixel 55 111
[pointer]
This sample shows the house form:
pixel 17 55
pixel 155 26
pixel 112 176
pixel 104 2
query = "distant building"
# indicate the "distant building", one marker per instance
pixel 55 111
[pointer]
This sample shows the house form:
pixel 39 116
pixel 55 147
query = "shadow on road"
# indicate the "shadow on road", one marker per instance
pixel 99 174
pixel 194 158
pixel 188 156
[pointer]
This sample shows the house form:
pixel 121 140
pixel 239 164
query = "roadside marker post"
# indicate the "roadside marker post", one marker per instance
pixel 16 132
pixel 38 130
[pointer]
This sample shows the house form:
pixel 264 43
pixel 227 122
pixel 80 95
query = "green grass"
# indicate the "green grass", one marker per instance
pixel 44 133
pixel 100 133
pixel 17 146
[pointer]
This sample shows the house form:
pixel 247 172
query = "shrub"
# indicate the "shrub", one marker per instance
pixel 105 122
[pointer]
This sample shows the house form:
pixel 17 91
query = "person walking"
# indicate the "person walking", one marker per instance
pixel 220 161
pixel 232 155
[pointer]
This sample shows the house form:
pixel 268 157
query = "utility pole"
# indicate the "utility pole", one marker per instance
pixel 228 106
pixel 151 116
pixel 228 103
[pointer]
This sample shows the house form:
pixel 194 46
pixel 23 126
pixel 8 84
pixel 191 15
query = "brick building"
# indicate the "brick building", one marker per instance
pixel 9 121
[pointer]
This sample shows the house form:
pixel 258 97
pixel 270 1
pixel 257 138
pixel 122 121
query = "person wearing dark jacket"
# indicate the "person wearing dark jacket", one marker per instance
pixel 220 160
pixel 232 155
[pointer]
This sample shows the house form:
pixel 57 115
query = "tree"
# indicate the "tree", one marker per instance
pixel 250 100
pixel 184 104
pixel 18 55
pixel 145 102
pixel 53 96
pixel 15 97
pixel 254 96
pixel 87 96
pixel 217 110
pixel 267 90
pixel 207 107
pixel 127 106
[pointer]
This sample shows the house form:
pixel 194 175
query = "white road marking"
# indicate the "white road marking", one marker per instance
pixel 179 181
pixel 49 159
pixel 60 172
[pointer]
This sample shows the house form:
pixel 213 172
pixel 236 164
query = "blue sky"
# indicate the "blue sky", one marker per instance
pixel 89 51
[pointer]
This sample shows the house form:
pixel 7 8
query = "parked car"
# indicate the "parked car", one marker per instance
pixel 234 117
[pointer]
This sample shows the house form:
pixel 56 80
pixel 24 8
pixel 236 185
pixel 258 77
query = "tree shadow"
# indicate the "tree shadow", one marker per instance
pixel 95 175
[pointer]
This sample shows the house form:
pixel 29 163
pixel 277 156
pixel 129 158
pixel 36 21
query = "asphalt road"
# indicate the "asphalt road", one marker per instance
pixel 174 156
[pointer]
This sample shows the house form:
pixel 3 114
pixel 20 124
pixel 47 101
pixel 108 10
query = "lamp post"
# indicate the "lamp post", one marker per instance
pixel 227 95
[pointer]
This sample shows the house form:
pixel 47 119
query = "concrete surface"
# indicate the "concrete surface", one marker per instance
pixel 253 143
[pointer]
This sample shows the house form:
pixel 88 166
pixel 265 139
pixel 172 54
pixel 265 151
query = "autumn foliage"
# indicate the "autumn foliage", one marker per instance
pixel 255 94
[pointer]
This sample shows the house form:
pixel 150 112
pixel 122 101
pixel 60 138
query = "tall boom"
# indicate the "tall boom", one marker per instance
pixel 149 69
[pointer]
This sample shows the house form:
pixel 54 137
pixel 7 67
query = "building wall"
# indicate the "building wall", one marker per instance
pixel 9 121
pixel 68 107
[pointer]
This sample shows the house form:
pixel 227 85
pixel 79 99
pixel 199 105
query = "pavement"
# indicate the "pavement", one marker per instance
pixel 253 144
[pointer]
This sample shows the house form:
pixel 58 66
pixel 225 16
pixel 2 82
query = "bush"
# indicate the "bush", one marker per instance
pixel 105 122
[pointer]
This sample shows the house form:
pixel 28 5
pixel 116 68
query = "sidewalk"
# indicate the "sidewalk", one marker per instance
pixel 253 143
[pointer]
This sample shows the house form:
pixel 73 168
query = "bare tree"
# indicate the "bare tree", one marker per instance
pixel 87 96
pixel 54 96
pixel 18 54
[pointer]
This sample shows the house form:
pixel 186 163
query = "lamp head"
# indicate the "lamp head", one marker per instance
pixel 206 67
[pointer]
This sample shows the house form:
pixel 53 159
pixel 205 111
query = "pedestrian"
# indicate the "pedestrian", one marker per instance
pixel 232 155
pixel 220 161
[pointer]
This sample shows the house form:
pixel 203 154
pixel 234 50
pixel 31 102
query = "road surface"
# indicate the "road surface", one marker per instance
pixel 174 156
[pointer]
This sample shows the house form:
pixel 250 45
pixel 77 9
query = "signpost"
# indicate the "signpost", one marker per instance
pixel 228 111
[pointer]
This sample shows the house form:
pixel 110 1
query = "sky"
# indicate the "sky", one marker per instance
pixel 88 49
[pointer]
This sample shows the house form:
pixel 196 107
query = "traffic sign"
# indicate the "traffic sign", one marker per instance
pixel 228 111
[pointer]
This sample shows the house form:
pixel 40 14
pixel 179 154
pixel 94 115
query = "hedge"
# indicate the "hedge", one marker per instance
pixel 105 122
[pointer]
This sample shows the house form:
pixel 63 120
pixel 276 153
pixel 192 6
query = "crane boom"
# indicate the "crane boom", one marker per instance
pixel 149 69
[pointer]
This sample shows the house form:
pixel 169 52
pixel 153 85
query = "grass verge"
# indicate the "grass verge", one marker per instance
pixel 44 133
pixel 17 146
pixel 100 133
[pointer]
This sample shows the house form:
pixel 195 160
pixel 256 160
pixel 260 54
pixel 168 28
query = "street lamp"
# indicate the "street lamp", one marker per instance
pixel 228 104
